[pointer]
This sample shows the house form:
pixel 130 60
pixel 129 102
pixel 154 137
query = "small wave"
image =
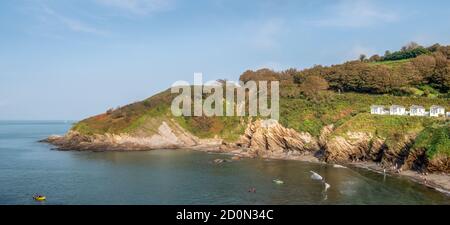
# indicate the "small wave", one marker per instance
pixel 339 166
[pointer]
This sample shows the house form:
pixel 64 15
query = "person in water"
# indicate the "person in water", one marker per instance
pixel 37 196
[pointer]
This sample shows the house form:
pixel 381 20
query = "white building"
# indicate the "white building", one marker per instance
pixel 436 111
pixel 397 110
pixel 417 110
pixel 377 109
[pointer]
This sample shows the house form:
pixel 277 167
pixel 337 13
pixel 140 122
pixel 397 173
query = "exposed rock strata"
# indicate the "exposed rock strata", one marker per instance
pixel 269 138
pixel 166 137
pixel 399 155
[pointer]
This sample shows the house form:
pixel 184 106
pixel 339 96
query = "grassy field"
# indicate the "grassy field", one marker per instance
pixel 392 63
pixel 304 115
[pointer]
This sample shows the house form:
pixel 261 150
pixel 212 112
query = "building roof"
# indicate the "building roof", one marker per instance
pixel 397 106
pixel 436 107
pixel 377 106
pixel 417 106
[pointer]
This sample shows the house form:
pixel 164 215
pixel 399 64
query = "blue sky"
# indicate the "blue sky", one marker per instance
pixel 62 59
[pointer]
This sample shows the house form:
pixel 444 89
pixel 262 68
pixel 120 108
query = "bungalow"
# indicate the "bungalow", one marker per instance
pixel 436 111
pixel 417 110
pixel 377 109
pixel 397 110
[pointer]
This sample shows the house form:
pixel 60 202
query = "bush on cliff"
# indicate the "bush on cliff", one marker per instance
pixel 435 140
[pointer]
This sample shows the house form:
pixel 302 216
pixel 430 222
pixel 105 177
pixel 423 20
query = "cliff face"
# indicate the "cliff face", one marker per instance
pixel 167 136
pixel 354 147
pixel 440 163
pixel 360 146
pixel 268 137
pixel 418 161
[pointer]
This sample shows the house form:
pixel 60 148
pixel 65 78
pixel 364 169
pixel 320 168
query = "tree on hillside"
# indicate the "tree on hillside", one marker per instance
pixel 287 77
pixel 406 53
pixel 312 86
pixel 375 58
pixel 425 65
pixel 445 50
pixel 410 46
pixel 362 57
pixel 408 74
pixel 422 67
pixel 317 70
pixel 434 47
pixel 260 75
pixel 376 79
pixel 441 76
pixel 288 74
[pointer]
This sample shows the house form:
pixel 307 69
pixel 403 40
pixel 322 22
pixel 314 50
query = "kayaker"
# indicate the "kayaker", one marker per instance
pixel 39 197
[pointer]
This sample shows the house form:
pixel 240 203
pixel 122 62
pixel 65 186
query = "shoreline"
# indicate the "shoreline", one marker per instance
pixel 438 182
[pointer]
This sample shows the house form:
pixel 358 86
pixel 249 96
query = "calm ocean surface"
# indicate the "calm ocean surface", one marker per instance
pixel 178 177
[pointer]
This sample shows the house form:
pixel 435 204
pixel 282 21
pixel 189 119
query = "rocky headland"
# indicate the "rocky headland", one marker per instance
pixel 269 139
pixel 324 116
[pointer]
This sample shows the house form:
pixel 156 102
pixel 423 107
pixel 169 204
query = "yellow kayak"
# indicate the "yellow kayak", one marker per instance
pixel 39 198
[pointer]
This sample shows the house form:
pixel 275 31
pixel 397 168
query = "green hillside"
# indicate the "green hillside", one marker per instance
pixel 435 139
pixel 313 98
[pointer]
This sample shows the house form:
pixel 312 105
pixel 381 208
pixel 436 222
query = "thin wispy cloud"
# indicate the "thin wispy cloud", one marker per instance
pixel 72 24
pixel 139 7
pixel 356 14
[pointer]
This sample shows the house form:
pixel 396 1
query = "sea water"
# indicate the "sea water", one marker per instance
pixel 28 167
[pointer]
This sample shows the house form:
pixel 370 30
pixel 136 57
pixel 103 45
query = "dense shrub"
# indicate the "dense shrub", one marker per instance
pixel 406 54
